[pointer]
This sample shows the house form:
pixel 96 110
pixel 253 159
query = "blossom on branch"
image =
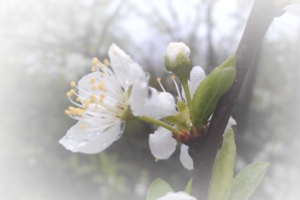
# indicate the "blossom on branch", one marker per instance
pixel 162 144
pixel 108 97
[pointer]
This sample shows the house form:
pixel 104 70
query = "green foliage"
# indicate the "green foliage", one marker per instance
pixel 222 184
pixel 210 90
pixel 157 189
pixel 222 173
pixel 189 186
pixel 103 170
pixel 245 182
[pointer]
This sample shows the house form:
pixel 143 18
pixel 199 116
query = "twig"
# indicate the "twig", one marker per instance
pixel 203 152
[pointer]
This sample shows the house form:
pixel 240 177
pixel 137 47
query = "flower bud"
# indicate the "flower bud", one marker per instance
pixel 175 48
pixel 177 60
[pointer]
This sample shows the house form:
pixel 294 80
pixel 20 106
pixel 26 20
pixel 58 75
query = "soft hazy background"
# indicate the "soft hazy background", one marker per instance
pixel 46 44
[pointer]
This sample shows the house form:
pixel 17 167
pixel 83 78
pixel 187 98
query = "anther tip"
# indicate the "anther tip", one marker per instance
pixel 69 94
pixel 95 61
pixel 73 84
pixel 106 62
pixel 82 126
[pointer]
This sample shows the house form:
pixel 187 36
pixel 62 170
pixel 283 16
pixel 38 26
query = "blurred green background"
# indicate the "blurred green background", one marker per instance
pixel 46 44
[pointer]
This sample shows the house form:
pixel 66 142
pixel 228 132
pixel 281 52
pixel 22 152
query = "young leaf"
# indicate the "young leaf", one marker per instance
pixel 210 90
pixel 222 174
pixel 189 186
pixel 157 189
pixel 247 180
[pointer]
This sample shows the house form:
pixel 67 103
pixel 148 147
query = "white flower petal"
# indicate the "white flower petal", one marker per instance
pixel 293 8
pixel 160 105
pixel 177 196
pixel 162 145
pixel 174 48
pixel 185 158
pixel 231 122
pixel 125 69
pixel 139 95
pixel 196 77
pixel 90 139
pixel 130 75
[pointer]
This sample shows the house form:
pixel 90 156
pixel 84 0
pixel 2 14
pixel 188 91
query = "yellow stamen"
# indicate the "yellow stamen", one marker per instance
pixel 106 62
pixel 82 126
pixel 162 87
pixel 95 61
pixel 80 111
pixel 67 112
pixel 92 80
pixel 101 85
pixel 68 94
pixel 156 160
pixel 85 104
pixel 73 84
pixel 173 77
pixel 93 69
pixel 115 53
pixel 92 98
pixel 72 91
pixel 78 99
pixel 101 97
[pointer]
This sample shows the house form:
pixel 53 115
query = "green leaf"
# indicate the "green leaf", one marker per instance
pixel 189 186
pixel 157 189
pixel 210 90
pixel 247 180
pixel 222 173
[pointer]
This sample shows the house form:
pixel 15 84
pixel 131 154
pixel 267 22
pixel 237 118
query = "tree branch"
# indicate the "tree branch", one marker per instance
pixel 204 150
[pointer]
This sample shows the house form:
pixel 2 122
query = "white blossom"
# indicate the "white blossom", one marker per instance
pixel 103 98
pixel 196 77
pixel 177 196
pixel 161 142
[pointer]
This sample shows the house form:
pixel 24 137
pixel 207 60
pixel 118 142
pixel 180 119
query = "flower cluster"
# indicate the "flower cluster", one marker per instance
pixel 117 91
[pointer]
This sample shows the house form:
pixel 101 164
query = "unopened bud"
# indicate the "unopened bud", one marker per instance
pixel 177 60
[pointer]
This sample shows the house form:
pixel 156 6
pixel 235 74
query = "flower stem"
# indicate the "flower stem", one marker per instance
pixel 159 123
pixel 187 93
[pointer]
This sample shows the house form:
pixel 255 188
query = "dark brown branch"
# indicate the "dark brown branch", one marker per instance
pixel 203 152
